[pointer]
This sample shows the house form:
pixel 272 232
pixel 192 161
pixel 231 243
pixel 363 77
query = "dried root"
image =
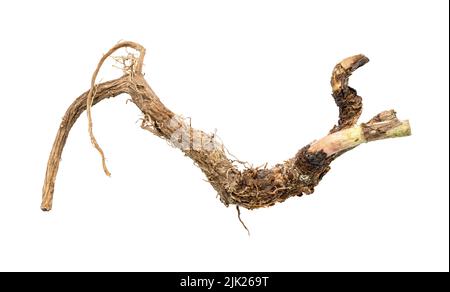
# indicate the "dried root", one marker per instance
pixel 251 187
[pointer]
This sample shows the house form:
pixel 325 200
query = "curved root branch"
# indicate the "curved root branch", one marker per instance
pixel 92 90
pixel 251 187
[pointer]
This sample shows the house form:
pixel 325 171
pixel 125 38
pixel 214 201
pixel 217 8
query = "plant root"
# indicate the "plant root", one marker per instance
pixel 249 187
pixel 240 219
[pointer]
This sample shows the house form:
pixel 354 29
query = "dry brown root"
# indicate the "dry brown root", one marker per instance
pixel 252 187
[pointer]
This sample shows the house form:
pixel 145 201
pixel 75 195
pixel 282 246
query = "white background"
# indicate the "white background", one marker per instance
pixel 258 72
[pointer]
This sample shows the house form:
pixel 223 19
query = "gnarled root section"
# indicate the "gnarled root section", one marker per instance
pixel 252 187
